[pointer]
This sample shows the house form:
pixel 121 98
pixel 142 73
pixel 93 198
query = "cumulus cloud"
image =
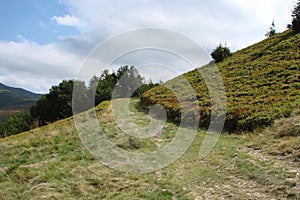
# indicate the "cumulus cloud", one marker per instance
pixel 239 23
pixel 68 20
pixel 38 84
pixel 27 60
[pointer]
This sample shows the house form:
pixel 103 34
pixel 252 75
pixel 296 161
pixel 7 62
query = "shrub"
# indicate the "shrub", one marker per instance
pixel 17 123
pixel 220 53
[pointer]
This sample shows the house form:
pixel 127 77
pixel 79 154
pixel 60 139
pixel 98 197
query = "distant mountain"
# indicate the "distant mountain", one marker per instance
pixel 13 100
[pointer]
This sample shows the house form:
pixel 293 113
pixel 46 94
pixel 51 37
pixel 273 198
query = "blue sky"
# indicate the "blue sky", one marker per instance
pixel 32 20
pixel 45 41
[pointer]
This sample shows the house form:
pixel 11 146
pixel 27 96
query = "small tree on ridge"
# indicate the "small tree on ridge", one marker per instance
pixel 272 31
pixel 220 53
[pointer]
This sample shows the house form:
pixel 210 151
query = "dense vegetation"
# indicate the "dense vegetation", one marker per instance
pixel 57 104
pixel 19 122
pixel 262 84
pixel 14 106
pixel 296 18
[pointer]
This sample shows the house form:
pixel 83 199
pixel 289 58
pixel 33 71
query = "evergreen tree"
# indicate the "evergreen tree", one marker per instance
pixel 272 30
pixel 129 81
pixel 57 104
pixel 2 130
pixel 296 18
pixel 102 86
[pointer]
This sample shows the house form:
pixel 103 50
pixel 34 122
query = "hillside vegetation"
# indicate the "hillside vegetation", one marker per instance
pixel 262 86
pixel 262 83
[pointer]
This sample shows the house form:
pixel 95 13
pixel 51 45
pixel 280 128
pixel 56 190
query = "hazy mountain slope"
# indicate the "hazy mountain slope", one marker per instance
pixel 262 83
pixel 10 96
pixel 13 100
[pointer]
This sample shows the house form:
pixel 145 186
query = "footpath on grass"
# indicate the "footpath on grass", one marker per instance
pixel 51 163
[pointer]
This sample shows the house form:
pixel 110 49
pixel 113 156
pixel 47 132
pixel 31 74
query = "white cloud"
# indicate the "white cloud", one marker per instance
pixel 239 23
pixel 68 20
pixel 27 60
pixel 27 81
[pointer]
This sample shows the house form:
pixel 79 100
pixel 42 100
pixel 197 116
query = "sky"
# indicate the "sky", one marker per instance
pixel 44 42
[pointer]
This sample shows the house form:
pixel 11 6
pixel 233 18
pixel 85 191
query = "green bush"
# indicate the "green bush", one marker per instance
pixel 17 123
pixel 220 53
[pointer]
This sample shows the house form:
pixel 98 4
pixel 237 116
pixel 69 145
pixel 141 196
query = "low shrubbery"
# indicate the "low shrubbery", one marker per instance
pixel 262 84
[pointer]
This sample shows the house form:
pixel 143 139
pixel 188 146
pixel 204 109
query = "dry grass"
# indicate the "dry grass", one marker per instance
pixel 51 163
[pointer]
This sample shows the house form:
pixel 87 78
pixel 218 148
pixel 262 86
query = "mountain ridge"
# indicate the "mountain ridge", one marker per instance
pixel 13 99
pixel 13 96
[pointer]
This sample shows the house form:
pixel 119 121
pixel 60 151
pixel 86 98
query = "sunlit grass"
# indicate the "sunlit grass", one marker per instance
pixel 51 163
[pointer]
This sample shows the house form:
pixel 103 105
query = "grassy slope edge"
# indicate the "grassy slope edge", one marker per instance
pixel 262 83
pixel 51 163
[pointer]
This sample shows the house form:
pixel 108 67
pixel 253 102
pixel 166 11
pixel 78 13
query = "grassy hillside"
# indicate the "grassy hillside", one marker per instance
pixel 51 163
pixel 13 100
pixel 262 86
pixel 262 83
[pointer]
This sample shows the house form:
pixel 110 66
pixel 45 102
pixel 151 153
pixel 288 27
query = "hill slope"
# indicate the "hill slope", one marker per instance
pixel 15 99
pixel 51 163
pixel 262 83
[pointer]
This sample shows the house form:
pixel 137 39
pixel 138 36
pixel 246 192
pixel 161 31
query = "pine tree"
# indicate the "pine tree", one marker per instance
pixel 296 18
pixel 272 31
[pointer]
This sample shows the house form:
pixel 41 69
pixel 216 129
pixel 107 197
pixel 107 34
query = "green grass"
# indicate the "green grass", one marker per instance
pixel 262 86
pixel 262 83
pixel 51 163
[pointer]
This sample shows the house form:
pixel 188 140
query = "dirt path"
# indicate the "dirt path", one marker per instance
pixel 245 173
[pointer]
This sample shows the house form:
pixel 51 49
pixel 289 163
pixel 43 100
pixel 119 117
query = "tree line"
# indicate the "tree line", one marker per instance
pixel 57 103
pixel 125 82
